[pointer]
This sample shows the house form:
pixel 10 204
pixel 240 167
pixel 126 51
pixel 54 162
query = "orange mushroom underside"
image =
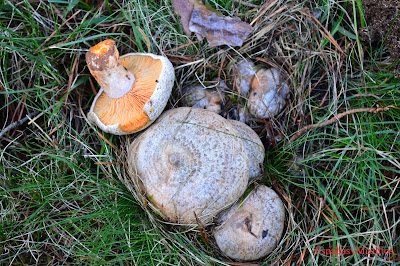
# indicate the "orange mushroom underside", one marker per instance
pixel 127 111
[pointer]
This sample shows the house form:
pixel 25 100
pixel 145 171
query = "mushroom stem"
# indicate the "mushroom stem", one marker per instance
pixel 103 62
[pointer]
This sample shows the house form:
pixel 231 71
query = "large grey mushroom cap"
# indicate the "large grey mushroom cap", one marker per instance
pixel 254 148
pixel 268 93
pixel 252 230
pixel 190 163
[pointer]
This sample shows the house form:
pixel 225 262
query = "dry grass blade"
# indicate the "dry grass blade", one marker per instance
pixel 70 79
pixel 57 30
pixel 108 142
pixel 201 228
pixel 145 37
pixel 180 47
pixel 267 5
pixel 325 32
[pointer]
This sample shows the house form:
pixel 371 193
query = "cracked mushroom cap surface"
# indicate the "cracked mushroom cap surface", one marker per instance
pixel 268 93
pixel 254 148
pixel 123 108
pixel 253 229
pixel 189 163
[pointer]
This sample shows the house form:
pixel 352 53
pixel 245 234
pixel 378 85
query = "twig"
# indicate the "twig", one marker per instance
pixel 335 119
pixel 18 123
pixel 56 127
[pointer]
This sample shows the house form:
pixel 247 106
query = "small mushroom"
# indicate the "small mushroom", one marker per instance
pixel 254 147
pixel 252 229
pixel 268 93
pixel 134 88
pixel 189 164
pixel 244 74
pixel 199 97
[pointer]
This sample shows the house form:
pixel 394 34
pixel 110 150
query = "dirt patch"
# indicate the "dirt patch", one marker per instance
pixel 382 17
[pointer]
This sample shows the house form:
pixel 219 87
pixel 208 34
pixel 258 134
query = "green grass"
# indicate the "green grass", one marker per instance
pixel 62 200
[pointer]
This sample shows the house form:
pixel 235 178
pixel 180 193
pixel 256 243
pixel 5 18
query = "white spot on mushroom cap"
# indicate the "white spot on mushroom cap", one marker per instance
pixel 253 229
pixel 269 96
pixel 190 161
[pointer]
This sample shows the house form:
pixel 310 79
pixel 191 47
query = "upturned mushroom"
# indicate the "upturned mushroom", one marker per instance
pixel 254 148
pixel 190 165
pixel 268 93
pixel 251 230
pixel 134 88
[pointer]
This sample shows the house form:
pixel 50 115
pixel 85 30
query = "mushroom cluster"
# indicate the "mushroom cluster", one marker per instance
pixel 265 89
pixel 192 164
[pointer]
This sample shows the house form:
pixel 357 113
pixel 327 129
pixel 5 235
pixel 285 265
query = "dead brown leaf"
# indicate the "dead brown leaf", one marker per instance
pixel 211 24
pixel 184 8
